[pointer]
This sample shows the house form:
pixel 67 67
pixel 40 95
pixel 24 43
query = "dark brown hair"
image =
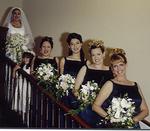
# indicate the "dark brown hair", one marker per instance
pixel 48 39
pixel 78 37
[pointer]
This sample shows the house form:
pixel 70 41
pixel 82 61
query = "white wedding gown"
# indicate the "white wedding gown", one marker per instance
pixel 13 30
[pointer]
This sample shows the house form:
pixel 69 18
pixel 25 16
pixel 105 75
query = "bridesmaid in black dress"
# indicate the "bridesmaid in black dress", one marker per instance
pixel 96 71
pixel 45 57
pixel 118 87
pixel 72 63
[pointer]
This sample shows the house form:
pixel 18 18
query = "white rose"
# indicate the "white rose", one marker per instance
pixel 57 86
pixel 67 92
pixel 84 89
pixel 112 120
pixel 115 103
pixel 41 73
pixel 46 77
pixel 64 85
pixel 124 103
pixel 91 88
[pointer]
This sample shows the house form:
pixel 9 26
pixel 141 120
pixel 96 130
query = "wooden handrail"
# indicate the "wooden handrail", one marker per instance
pixel 146 122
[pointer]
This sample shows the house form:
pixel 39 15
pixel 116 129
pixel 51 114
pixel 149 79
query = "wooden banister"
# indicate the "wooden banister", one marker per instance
pixel 146 122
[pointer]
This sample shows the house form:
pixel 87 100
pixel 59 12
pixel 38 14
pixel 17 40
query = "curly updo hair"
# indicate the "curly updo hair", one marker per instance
pixel 118 54
pixel 93 44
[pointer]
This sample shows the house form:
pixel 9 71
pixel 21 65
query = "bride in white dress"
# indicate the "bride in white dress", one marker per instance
pixel 19 37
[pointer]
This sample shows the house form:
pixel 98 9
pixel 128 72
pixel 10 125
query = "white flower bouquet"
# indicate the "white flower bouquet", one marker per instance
pixel 16 40
pixel 47 76
pixel 120 112
pixel 14 46
pixel 87 95
pixel 65 83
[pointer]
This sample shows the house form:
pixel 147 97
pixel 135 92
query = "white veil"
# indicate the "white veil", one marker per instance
pixel 24 23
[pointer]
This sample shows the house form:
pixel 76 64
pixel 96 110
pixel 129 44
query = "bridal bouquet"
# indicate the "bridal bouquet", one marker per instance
pixel 87 95
pixel 46 76
pixel 16 40
pixel 65 83
pixel 120 112
pixel 14 45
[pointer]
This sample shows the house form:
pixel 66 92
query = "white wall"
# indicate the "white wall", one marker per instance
pixel 120 23
pixel 5 5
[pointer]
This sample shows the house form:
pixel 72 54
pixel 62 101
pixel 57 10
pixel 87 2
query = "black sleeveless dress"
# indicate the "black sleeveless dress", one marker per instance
pixel 120 90
pixel 71 67
pixel 39 61
pixel 100 77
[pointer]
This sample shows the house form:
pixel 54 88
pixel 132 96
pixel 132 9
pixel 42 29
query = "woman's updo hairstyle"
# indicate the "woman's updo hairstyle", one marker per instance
pixel 78 37
pixel 48 39
pixel 118 54
pixel 74 36
pixel 93 44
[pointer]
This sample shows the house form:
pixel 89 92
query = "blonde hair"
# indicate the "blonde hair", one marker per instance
pixel 118 54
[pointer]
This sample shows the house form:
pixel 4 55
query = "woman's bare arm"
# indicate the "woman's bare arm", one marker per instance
pixel 102 96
